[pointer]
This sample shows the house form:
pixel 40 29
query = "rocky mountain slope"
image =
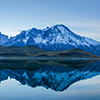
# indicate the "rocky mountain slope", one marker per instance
pixel 3 38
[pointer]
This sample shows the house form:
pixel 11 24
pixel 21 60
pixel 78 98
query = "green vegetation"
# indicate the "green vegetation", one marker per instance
pixel 77 53
pixel 33 51
pixel 16 51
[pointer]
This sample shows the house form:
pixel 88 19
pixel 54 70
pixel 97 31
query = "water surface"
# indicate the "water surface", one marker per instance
pixel 52 80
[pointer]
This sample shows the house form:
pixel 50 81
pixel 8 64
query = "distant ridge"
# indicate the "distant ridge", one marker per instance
pixel 19 51
pixel 77 53
pixel 33 51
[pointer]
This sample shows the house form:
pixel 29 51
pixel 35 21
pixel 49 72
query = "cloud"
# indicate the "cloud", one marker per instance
pixel 84 23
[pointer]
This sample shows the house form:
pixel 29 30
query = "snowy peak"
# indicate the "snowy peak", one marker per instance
pixel 62 28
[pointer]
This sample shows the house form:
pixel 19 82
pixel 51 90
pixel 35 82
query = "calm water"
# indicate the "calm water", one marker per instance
pixel 49 80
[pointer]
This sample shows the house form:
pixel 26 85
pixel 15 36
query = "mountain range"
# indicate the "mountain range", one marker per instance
pixel 55 38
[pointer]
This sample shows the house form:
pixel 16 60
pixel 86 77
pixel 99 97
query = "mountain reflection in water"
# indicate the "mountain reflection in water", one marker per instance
pixel 43 73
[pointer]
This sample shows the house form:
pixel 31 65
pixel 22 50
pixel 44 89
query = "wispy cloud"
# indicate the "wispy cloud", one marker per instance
pixel 84 23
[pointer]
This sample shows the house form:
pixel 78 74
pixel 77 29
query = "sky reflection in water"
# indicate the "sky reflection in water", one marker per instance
pixel 86 89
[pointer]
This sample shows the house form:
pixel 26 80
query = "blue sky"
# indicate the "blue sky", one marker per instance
pixel 80 16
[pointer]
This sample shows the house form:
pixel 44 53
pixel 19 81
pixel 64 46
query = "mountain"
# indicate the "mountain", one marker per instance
pixel 56 38
pixel 33 51
pixel 3 38
pixel 57 78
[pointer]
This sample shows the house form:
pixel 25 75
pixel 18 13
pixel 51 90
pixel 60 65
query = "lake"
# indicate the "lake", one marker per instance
pixel 49 80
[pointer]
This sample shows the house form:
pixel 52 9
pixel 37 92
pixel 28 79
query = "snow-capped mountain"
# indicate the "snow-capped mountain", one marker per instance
pixel 57 78
pixel 3 38
pixel 56 38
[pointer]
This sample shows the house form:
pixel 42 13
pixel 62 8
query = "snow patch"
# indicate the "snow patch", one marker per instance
pixel 37 75
pixel 38 35
pixel 25 75
pixel 45 29
pixel 25 40
pixel 62 29
pixel 52 42
pixel 90 41
pixel 60 39
pixel 89 75
pixel 44 41
pixel 17 41
pixel 38 39
pixel 28 31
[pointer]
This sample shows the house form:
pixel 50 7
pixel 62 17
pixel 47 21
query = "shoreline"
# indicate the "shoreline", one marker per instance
pixel 46 58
